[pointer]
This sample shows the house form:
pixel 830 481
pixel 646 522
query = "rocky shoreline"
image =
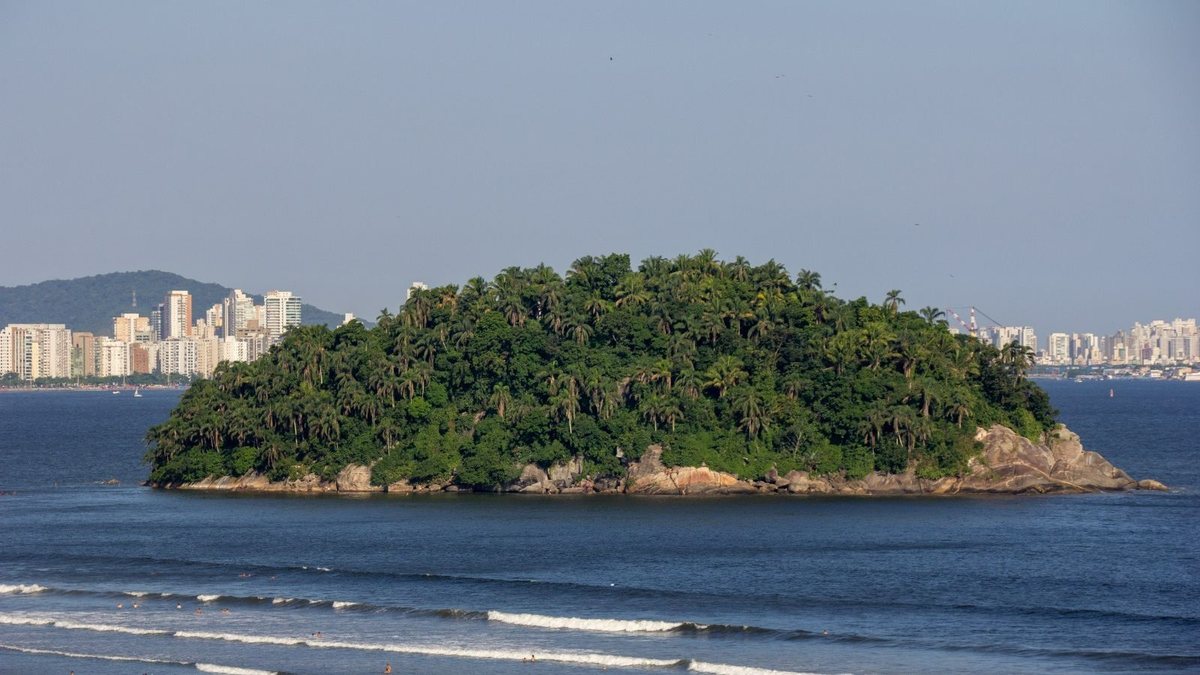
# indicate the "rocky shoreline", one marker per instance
pixel 1007 464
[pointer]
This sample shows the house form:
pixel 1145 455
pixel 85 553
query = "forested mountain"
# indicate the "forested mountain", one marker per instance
pixel 739 367
pixel 90 303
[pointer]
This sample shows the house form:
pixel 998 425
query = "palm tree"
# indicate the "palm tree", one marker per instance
pixel 579 329
pixel 751 410
pixel 631 292
pixel 1018 357
pixel 725 374
pixel 808 280
pixel 500 399
pixel 893 301
pixel 565 405
pixel 932 315
pixel 739 269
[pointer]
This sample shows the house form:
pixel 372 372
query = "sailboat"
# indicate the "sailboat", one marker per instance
pixel 137 393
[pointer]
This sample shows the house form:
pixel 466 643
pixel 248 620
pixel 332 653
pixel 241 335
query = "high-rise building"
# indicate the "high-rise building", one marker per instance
pixel 282 311
pixel 215 316
pixel 83 354
pixel 112 357
pixel 1058 348
pixel 177 315
pixel 416 286
pixel 38 350
pixel 1022 335
pixel 156 323
pixel 177 356
pixel 141 357
pixel 129 326
pixel 6 352
pixel 239 312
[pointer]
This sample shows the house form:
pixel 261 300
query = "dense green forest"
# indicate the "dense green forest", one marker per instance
pixel 90 303
pixel 740 367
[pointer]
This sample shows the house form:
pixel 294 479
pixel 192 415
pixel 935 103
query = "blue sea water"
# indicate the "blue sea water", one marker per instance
pixel 328 584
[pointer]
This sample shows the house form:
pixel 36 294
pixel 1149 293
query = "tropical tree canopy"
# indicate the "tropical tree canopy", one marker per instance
pixel 740 367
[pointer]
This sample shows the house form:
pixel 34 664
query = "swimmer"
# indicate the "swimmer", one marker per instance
pixel 120 605
pixel 198 611
pixel 178 606
pixel 135 605
pixel 387 668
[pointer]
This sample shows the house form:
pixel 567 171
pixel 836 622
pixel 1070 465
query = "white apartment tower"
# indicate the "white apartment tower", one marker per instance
pixel 112 357
pixel 282 311
pixel 177 356
pixel 239 311
pixel 1058 348
pixel 36 350
pixel 6 352
pixel 177 315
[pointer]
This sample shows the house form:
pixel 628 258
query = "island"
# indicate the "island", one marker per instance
pixel 689 375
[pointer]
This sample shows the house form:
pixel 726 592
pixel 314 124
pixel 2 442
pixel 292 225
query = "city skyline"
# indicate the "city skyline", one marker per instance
pixel 983 155
pixel 1107 326
pixel 170 340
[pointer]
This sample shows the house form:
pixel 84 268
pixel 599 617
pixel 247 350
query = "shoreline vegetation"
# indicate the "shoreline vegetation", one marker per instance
pixel 683 376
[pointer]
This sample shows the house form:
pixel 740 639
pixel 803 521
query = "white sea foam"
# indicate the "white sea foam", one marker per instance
pixel 207 598
pixel 324 569
pixel 723 669
pixel 24 620
pixel 13 620
pixel 592 659
pixel 280 601
pixel 341 604
pixel 21 588
pixel 574 623
pixel 138 594
pixel 575 658
pixel 240 637
pixel 77 655
pixel 230 670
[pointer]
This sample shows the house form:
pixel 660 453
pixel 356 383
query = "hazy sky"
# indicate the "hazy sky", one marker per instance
pixel 1050 152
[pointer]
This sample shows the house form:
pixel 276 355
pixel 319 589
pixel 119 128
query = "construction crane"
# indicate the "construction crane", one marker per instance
pixel 971 328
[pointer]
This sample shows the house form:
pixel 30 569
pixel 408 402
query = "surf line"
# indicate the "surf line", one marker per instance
pixel 202 667
pixel 577 658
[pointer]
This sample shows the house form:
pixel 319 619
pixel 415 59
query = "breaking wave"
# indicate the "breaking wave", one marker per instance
pixel 21 588
pixel 574 623
pixel 203 667
pixel 573 658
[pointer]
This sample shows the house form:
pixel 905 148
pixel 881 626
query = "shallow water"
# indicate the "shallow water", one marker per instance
pixel 1075 583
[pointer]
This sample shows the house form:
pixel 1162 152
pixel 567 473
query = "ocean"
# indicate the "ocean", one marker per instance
pixel 98 578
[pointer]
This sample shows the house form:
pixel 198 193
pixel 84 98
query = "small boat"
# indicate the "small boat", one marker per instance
pixel 116 391
pixel 137 393
pixel 1111 393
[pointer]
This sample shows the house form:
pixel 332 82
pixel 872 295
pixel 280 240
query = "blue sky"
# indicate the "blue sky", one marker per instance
pixel 1038 160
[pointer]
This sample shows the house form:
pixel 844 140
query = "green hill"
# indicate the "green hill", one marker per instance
pixel 90 303
pixel 725 364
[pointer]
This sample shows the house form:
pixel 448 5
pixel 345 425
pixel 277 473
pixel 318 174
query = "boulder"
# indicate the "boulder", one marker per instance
pixel 1011 463
pixel 355 478
pixel 687 480
pixel 400 487
pixel 566 475
pixel 1149 484
pixel 799 482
